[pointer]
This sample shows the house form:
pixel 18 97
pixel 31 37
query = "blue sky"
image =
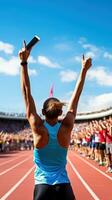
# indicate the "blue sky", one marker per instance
pixel 67 29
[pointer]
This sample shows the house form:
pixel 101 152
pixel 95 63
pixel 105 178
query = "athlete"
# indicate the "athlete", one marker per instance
pixel 51 138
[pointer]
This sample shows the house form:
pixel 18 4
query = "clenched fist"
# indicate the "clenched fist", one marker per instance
pixel 24 53
pixel 86 63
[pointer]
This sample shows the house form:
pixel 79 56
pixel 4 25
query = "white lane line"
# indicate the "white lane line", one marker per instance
pixel 94 167
pixel 95 197
pixel 14 166
pixel 17 184
pixel 8 161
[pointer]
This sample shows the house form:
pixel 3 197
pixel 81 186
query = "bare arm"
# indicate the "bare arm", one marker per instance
pixel 31 113
pixel 73 103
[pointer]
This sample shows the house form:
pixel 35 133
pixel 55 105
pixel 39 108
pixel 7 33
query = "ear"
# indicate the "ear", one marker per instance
pixel 60 113
pixel 43 112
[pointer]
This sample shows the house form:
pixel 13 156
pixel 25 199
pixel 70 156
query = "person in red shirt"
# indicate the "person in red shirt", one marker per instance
pixel 102 143
pixel 109 147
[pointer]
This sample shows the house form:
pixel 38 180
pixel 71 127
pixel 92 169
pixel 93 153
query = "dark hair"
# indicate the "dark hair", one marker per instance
pixel 52 108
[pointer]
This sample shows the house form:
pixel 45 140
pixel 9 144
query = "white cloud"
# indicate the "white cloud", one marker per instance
pixel 101 76
pixel 63 47
pixel 32 72
pixel 68 75
pixel 11 67
pixel 31 60
pixel 45 61
pixel 108 55
pixel 91 47
pixel 76 59
pixel 91 103
pixel 6 47
pixel 90 54
pixel 92 50
pixel 95 103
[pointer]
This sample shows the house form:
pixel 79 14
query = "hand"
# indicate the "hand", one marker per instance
pixel 24 53
pixel 86 63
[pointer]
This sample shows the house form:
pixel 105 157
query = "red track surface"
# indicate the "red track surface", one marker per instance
pixel 89 181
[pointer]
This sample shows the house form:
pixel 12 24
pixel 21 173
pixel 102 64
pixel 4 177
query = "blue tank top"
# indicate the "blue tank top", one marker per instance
pixel 51 160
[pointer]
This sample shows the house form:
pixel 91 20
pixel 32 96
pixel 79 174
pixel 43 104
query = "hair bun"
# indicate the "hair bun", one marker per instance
pixel 55 105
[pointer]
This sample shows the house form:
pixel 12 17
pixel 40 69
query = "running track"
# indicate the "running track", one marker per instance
pixel 89 181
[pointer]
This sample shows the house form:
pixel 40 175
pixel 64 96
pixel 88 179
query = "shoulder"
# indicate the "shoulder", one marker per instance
pixel 39 131
pixel 40 135
pixel 66 127
pixel 35 122
pixel 68 121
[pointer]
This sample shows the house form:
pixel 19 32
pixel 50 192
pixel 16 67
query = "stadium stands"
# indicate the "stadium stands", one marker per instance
pixel 15 133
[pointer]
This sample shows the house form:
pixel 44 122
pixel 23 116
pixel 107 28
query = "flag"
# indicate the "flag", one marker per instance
pixel 51 91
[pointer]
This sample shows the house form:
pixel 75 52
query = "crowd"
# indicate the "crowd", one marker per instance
pixel 22 140
pixel 12 126
pixel 93 140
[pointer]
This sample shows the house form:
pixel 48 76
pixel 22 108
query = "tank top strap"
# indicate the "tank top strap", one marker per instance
pixel 52 130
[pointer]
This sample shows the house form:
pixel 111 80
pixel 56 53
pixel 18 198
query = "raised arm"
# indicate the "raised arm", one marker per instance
pixel 73 103
pixel 31 113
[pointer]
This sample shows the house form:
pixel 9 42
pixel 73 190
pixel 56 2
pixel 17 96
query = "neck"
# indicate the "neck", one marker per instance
pixel 52 121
